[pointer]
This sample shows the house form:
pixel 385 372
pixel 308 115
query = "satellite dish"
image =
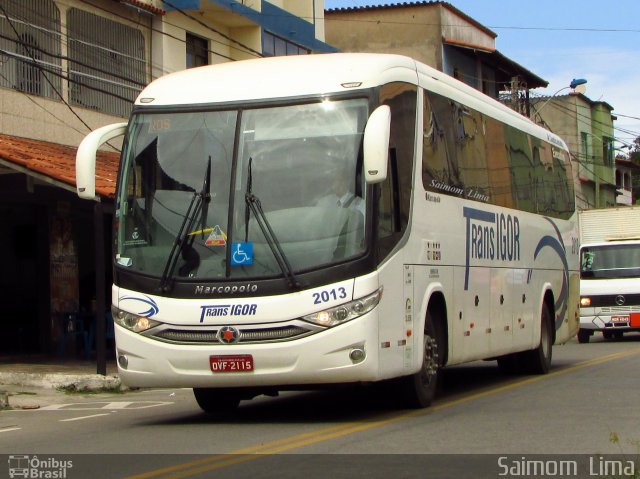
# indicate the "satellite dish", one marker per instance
pixel 579 85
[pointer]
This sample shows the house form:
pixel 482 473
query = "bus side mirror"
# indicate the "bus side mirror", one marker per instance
pixel 86 158
pixel 376 145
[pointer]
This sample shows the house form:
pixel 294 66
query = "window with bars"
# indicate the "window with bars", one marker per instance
pixel 107 63
pixel 30 42
pixel 275 46
pixel 607 151
pixel 584 144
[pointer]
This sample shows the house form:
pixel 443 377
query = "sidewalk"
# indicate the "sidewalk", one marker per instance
pixel 31 382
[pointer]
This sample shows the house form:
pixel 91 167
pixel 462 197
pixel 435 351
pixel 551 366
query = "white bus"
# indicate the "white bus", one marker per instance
pixel 298 222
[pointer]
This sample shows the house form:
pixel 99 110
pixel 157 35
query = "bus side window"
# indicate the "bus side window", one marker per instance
pixel 440 171
pixel 388 221
pixel 394 201
pixel 520 156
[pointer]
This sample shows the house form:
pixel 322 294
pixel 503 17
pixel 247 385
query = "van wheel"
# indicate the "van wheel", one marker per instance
pixel 583 336
pixel 538 360
pixel 420 388
pixel 217 401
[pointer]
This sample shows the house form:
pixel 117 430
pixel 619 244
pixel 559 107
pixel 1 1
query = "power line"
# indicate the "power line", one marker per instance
pixel 627 116
pixel 565 29
pixel 66 77
pixel 582 158
pixel 173 37
pixel 126 82
pixel 559 105
pixel 209 27
pixel 157 67
pixel 46 69
pixel 28 50
pixel 70 60
pixel 378 21
pixel 43 108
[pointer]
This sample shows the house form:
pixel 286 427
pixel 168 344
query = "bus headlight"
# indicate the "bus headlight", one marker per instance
pixel 131 321
pixel 585 301
pixel 345 312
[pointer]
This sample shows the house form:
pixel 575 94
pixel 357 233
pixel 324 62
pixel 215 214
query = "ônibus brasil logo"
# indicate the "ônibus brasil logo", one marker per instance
pixel 35 467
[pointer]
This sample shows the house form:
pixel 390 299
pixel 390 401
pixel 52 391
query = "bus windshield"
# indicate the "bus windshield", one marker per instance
pixel 217 194
pixel 610 261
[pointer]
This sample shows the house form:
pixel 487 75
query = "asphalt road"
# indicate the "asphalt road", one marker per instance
pixel 586 405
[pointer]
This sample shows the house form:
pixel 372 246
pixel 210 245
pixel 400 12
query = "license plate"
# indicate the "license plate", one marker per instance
pixel 240 363
pixel 620 319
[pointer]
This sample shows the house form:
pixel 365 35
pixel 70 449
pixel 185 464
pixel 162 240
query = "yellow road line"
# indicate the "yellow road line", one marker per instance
pixel 280 445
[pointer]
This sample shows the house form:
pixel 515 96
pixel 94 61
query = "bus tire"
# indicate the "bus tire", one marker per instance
pixel 420 388
pixel 216 401
pixel 538 360
pixel 583 336
pixel 510 363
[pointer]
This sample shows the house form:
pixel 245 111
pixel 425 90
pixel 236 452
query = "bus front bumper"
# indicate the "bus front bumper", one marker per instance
pixel 610 322
pixel 323 358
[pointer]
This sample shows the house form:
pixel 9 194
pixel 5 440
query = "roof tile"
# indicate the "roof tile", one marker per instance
pixel 59 161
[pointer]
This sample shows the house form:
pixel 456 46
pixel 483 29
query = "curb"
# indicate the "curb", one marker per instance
pixel 76 382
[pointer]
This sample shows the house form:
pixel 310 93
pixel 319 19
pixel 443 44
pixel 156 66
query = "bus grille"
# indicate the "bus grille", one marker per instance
pixel 246 335
pixel 618 309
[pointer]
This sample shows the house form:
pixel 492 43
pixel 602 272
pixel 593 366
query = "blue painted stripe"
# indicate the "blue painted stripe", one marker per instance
pixel 182 5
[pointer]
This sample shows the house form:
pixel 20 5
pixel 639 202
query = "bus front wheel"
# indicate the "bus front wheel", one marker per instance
pixel 216 401
pixel 420 388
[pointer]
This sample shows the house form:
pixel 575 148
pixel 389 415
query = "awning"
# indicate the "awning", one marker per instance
pixel 56 164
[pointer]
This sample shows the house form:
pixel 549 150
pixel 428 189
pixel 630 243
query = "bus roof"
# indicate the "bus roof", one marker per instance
pixel 317 74
pixel 275 77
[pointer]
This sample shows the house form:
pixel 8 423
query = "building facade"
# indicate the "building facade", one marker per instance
pixel 68 67
pixel 626 172
pixel 437 34
pixel 96 56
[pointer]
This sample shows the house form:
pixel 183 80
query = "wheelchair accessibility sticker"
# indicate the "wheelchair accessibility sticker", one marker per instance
pixel 242 253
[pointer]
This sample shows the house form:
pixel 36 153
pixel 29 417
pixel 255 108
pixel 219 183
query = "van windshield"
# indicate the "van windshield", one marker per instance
pixel 610 261
pixel 182 200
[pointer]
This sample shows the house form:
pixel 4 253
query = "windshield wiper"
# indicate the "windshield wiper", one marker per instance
pixel 199 205
pixel 254 204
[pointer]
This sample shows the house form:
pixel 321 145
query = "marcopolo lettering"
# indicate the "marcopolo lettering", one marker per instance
pixel 228 289
pixel 220 310
pixel 490 236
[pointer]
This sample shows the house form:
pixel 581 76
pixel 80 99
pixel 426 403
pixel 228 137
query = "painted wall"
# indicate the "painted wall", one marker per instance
pixel 412 30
